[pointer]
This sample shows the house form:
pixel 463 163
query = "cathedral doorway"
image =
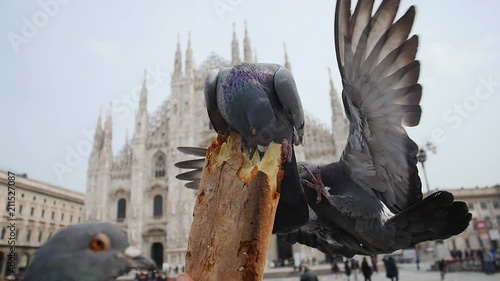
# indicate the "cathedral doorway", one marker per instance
pixel 284 250
pixel 157 254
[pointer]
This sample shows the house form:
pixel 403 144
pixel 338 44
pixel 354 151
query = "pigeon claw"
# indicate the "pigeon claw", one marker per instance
pixel 317 185
pixel 243 144
pixel 287 150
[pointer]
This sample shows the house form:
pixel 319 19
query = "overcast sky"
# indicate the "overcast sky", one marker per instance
pixel 62 61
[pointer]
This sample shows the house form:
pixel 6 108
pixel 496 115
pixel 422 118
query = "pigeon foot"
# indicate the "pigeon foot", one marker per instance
pixel 317 185
pixel 243 144
pixel 287 150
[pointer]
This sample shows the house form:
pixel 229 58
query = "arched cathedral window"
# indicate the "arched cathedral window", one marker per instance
pixel 160 167
pixel 158 206
pixel 122 210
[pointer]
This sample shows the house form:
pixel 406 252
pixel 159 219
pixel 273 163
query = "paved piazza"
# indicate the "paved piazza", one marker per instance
pixel 407 272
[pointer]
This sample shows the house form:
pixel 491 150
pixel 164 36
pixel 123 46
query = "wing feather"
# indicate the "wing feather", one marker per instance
pixel 193 177
pixel 289 97
pixel 211 85
pixel 381 94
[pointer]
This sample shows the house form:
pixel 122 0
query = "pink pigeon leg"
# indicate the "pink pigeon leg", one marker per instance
pixel 317 185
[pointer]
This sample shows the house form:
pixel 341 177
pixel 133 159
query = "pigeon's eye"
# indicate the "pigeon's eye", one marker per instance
pixel 100 242
pixel 253 131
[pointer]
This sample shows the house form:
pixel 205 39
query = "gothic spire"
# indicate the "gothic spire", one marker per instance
pixel 235 49
pixel 255 55
pixel 338 118
pixel 143 102
pixel 98 128
pixel 108 129
pixel 288 65
pixel 332 89
pixel 340 125
pixel 336 108
pixel 178 58
pixel 247 46
pixel 99 133
pixel 126 138
pixel 189 58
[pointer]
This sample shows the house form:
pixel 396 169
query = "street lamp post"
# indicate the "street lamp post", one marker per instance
pixel 421 157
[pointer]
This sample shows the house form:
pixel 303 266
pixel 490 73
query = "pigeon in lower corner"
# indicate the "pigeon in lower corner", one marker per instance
pixel 86 252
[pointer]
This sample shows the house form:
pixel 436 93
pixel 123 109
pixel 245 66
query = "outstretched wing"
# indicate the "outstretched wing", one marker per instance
pixel 287 93
pixel 381 93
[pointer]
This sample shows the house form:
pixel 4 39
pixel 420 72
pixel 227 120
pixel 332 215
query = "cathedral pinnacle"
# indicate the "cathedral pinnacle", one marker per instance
pixel 235 49
pixel 98 135
pixel 178 58
pixel 340 125
pixel 189 58
pixel 126 138
pixel 331 81
pixel 247 46
pixel 288 65
pixel 337 108
pixel 143 102
pixel 99 121
pixel 108 128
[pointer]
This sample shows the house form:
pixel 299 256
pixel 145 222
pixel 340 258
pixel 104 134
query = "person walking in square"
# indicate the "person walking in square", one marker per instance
pixel 442 269
pixel 308 275
pixel 347 269
pixel 391 270
pixel 335 269
pixel 366 270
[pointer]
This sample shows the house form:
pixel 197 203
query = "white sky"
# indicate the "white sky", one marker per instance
pixel 89 53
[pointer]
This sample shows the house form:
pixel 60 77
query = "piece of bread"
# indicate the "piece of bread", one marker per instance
pixel 234 212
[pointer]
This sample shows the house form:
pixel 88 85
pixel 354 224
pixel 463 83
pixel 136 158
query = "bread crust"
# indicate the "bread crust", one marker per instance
pixel 234 213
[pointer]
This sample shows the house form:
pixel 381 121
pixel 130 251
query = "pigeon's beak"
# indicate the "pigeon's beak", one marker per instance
pixel 261 155
pixel 137 260
pixel 252 152
pixel 262 150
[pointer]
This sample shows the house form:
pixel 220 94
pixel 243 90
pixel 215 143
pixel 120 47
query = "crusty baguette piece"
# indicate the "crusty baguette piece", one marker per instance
pixel 234 213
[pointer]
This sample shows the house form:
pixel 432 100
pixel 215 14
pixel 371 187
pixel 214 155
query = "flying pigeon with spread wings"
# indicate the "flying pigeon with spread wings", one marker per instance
pixel 370 201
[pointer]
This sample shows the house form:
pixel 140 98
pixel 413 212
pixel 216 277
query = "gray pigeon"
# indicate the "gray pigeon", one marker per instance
pixel 86 252
pixel 261 102
pixel 370 201
pixel 258 100
pixel 373 194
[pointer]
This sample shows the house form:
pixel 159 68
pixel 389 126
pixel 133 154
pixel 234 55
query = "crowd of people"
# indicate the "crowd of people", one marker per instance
pixel 151 276
pixel 482 259
pixel 352 267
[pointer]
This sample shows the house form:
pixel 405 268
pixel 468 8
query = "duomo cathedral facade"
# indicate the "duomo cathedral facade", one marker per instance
pixel 137 189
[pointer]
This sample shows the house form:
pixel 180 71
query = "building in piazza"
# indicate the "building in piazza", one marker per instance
pixel 137 189
pixel 39 211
